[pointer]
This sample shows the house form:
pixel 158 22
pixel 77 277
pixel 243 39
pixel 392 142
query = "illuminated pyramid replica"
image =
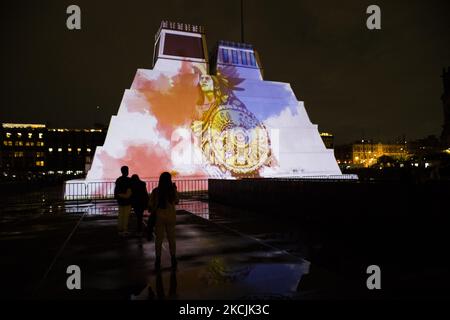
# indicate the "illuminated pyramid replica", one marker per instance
pixel 200 117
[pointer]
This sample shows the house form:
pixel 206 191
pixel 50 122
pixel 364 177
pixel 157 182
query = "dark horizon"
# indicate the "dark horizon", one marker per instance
pixel 355 83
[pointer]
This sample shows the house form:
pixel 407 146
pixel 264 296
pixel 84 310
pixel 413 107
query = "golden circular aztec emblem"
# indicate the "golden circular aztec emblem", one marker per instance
pixel 237 140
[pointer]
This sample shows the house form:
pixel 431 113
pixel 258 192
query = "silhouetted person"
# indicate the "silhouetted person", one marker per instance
pixel 122 193
pixel 162 203
pixel 139 200
pixel 151 225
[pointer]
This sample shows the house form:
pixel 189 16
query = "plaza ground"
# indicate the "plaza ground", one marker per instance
pixel 224 253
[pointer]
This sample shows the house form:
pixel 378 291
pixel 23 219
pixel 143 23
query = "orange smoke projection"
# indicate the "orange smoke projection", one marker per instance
pixel 147 161
pixel 171 100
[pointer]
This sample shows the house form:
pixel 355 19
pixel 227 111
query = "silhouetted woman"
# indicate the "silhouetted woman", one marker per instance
pixel 162 203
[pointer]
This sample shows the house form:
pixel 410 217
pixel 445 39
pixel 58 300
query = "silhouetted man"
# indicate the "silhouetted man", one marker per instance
pixel 139 200
pixel 122 193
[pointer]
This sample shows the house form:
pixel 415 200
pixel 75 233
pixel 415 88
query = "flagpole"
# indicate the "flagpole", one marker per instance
pixel 242 21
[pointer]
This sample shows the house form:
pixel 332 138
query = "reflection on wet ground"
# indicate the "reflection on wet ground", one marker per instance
pixel 224 252
pixel 218 258
pixel 213 264
pixel 221 280
pixel 217 264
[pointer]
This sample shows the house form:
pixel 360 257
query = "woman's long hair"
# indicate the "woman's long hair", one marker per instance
pixel 166 190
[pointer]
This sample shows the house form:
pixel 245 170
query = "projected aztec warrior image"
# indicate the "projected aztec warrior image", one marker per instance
pixel 217 118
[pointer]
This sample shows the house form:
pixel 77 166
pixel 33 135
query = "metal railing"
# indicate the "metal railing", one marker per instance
pixel 327 178
pixel 98 190
pixel 74 195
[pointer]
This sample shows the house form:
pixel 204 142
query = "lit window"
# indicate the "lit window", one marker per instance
pixel 8 135
pixel 79 149
pixel 88 149
pixel 30 135
pixel 32 144
pixel 59 149
pixel 39 163
pixel 69 149
pixel 19 134
pixel 40 135
pixel 50 149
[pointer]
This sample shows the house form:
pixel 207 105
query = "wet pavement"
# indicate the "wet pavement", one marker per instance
pixel 224 253
pixel 215 260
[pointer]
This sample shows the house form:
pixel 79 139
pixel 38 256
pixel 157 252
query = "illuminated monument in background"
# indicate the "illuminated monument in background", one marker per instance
pixel 219 118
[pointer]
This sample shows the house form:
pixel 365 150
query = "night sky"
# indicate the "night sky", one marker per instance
pixel 354 82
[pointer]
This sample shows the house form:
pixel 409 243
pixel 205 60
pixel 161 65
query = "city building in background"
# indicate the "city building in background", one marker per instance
pixel 328 139
pixel 23 147
pixel 366 153
pixel 431 151
pixel 425 152
pixel 34 150
pixel 425 146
